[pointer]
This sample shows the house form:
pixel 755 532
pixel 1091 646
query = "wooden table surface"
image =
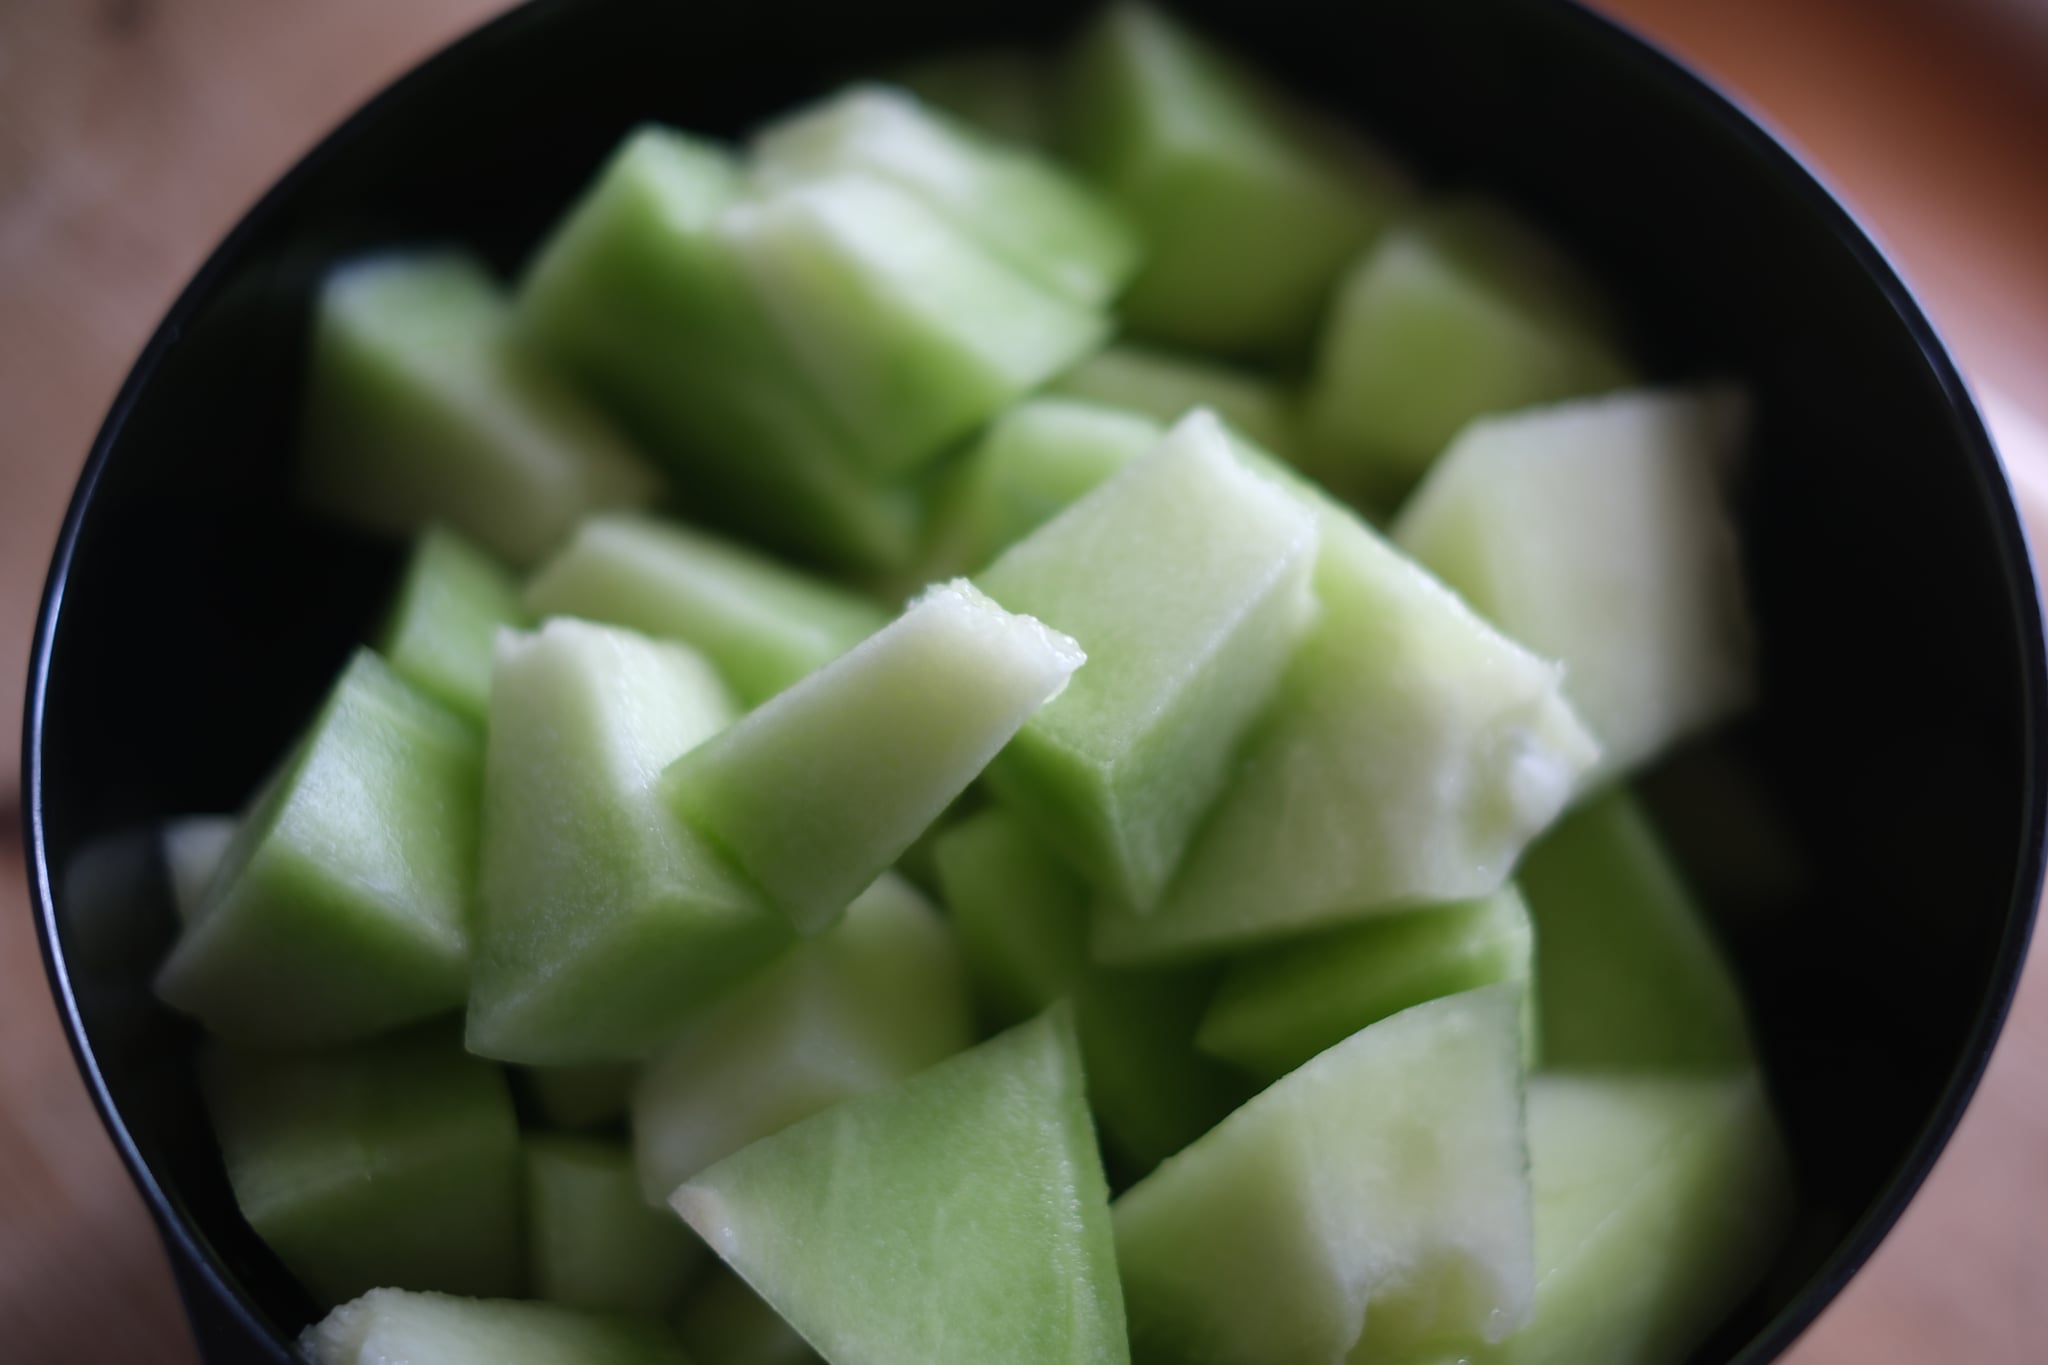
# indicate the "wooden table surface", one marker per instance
pixel 133 133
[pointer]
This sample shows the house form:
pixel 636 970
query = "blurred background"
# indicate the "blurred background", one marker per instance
pixel 133 133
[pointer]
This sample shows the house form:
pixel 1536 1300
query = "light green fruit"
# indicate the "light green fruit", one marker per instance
pixel 1167 386
pixel 880 996
pixel 1021 914
pixel 818 791
pixel 445 618
pixel 393 1162
pixel 1375 1199
pixel 961 1216
pixel 339 910
pixel 193 847
pixel 602 925
pixel 591 1240
pixel 1152 1090
pixel 1596 533
pixel 573 1098
pixel 422 406
pixel 723 1322
pixel 396 1327
pixel 762 623
pixel 1278 1007
pixel 1186 578
pixel 1005 92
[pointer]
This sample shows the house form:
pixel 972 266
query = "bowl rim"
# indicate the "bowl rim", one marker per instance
pixel 1773 152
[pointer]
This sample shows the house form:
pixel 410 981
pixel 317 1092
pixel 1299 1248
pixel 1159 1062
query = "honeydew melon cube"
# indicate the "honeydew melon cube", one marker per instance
pixel 1020 913
pixel 443 622
pixel 1167 386
pixel 1186 577
pixel 1005 92
pixel 340 908
pixel 960 1216
pixel 762 623
pixel 1278 1007
pixel 397 1327
pixel 572 1098
pixel 393 1162
pixel 193 847
pixel 1596 533
pixel 1632 978
pixel 602 925
pixel 1033 214
pixel 723 1322
pixel 422 406
pixel 592 1241
pixel 1378 1195
pixel 1152 1090
pixel 878 997
pixel 820 789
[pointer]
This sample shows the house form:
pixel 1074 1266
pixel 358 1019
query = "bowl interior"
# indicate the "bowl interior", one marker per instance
pixel 1869 841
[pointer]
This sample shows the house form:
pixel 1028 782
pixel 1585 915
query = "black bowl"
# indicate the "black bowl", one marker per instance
pixel 194 614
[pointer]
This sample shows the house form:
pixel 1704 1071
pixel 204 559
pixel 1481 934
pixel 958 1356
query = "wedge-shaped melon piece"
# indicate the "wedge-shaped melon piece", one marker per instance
pixel 1280 1006
pixel 396 1327
pixel 573 1098
pixel 1632 978
pixel 960 1216
pixel 878 997
pixel 602 925
pixel 1032 213
pixel 445 619
pixel 1021 914
pixel 640 294
pixel 340 907
pixel 1596 533
pixel 1186 578
pixel 1006 92
pixel 1166 387
pixel 193 847
pixel 1248 210
pixel 819 790
pixel 1378 1194
pixel 422 406
pixel 762 623
pixel 592 1241
pixel 724 1322
pixel 393 1162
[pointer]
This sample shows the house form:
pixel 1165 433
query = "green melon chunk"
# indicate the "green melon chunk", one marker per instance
pixel 961 1216
pixel 340 907
pixel 640 294
pixel 602 924
pixel 393 1162
pixel 910 332
pixel 1459 313
pixel 573 1098
pixel 878 997
pixel 819 790
pixel 1033 214
pixel 591 1240
pixel 1152 1090
pixel 1248 209
pixel 1021 914
pixel 1378 1195
pixel 1005 92
pixel 1167 387
pixel 423 407
pixel 1632 978
pixel 1186 577
pixel 723 1322
pixel 395 1327
pixel 1278 1007
pixel 761 622
pixel 445 618
pixel 193 847
pixel 1596 533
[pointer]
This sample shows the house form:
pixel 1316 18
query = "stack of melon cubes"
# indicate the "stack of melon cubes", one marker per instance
pixel 1201 926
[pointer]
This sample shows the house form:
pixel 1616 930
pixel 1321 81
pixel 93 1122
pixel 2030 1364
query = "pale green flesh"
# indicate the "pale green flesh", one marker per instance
pixel 395 1327
pixel 816 792
pixel 592 1241
pixel 961 1216
pixel 445 618
pixel 422 406
pixel 878 997
pixel 1004 92
pixel 762 623
pixel 1597 534
pixel 1021 915
pixel 1632 979
pixel 1186 578
pixel 1166 387
pixel 572 1098
pixel 1379 1193
pixel 394 1162
pixel 602 924
pixel 193 847
pixel 339 909
pixel 723 1322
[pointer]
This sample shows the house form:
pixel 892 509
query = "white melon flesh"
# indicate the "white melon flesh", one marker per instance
pixel 396 1327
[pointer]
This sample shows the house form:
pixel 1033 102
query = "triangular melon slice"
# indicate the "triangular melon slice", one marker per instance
pixel 444 618
pixel 397 1327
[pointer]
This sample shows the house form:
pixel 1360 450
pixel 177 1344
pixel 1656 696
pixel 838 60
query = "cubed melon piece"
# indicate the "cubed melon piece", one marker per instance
pixel 602 925
pixel 423 406
pixel 1186 578
pixel 1248 209
pixel 1167 386
pixel 1278 1007
pixel 1006 92
pixel 573 1098
pixel 961 1216
pixel 445 618
pixel 1021 914
pixel 340 908
pixel 1045 224
pixel 1377 1197
pixel 193 847
pixel 724 1322
pixel 878 997
pixel 392 1162
pixel 592 1241
pixel 1152 1089
pixel 1596 533
pixel 761 622
pixel 824 786
pixel 396 1327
